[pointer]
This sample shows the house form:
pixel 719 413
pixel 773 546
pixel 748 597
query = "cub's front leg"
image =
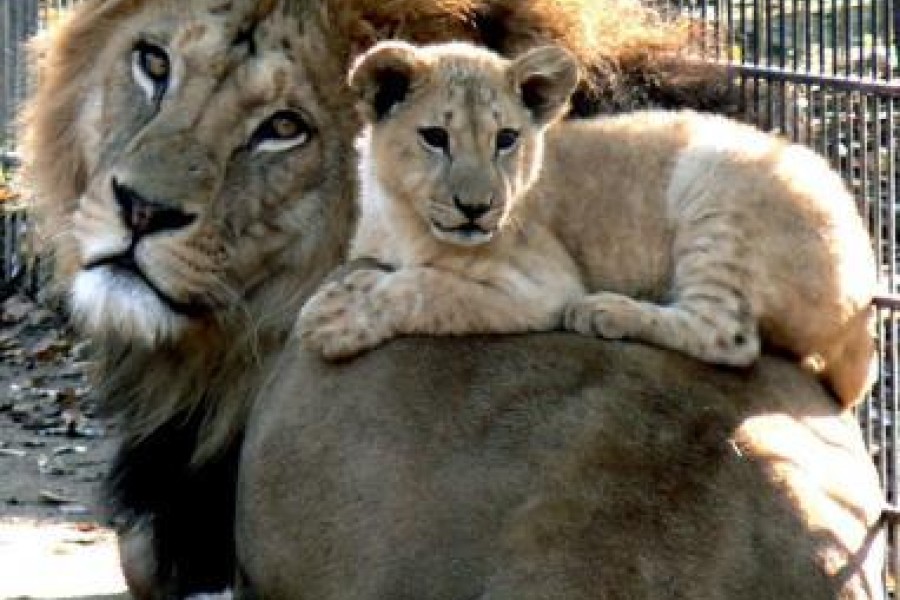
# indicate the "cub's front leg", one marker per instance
pixel 368 307
pixel 348 315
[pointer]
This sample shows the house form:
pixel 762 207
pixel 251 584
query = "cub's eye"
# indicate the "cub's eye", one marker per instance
pixel 285 129
pixel 506 140
pixel 435 138
pixel 152 67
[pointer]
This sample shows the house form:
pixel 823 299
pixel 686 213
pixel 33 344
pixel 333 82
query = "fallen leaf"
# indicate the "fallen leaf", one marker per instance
pixel 7 195
pixel 48 348
pixel 51 497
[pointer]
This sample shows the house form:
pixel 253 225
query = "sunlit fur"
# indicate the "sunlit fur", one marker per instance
pixel 270 223
pixel 684 230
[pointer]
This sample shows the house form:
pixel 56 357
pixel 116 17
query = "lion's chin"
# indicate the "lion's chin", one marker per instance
pixel 107 302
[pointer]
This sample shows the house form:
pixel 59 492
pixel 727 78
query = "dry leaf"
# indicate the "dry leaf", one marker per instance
pixel 7 195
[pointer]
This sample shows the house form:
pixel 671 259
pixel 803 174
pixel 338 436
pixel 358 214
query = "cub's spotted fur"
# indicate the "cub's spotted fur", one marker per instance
pixel 687 231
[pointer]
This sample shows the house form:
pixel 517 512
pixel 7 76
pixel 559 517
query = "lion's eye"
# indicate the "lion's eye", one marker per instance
pixel 285 126
pixel 435 138
pixel 506 140
pixel 285 129
pixel 152 63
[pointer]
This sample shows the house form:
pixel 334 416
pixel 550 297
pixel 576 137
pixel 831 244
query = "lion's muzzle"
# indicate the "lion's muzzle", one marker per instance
pixel 145 217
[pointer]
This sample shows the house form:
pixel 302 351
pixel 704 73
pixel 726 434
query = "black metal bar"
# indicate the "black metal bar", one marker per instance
pixel 729 31
pixel 891 193
pixel 890 18
pixel 742 23
pixel 833 42
pixel 878 229
pixel 757 31
pixel 861 26
pixel 873 15
pixel 807 34
pixel 887 300
pixel 848 37
pixel 864 160
pixel 821 28
pixel 896 14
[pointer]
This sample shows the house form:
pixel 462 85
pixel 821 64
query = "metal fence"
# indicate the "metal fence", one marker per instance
pixel 825 73
pixel 19 20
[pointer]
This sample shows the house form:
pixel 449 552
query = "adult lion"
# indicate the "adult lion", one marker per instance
pixel 553 467
pixel 192 163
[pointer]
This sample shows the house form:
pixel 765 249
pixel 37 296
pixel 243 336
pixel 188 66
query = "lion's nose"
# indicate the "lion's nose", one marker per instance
pixel 145 217
pixel 472 211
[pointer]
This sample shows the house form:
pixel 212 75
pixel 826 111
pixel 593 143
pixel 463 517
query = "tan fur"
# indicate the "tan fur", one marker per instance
pixel 688 231
pixel 256 217
pixel 268 229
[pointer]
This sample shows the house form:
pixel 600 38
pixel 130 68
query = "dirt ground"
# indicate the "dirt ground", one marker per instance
pixel 53 454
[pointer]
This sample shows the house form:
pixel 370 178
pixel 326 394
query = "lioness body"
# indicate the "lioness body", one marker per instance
pixel 504 475
pixel 688 231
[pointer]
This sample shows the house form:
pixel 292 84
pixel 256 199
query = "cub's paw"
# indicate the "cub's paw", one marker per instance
pixel 607 315
pixel 346 317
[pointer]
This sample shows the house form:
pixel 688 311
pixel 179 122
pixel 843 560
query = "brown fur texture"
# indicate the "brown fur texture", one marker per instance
pixel 632 56
pixel 689 231
pixel 553 467
pixel 237 227
pixel 79 133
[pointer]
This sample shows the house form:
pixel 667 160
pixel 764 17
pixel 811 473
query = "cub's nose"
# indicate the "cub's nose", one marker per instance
pixel 472 211
pixel 146 217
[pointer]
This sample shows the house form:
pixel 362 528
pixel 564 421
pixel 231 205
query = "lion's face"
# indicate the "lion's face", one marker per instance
pixel 208 154
pixel 456 132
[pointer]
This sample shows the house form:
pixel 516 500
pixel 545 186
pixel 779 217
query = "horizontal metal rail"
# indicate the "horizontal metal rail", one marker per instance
pixel 849 83
pixel 891 301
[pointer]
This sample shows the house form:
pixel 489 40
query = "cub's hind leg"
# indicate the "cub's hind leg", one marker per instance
pixel 705 328
pixel 709 318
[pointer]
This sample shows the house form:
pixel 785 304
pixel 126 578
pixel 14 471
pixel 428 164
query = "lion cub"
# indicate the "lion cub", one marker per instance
pixel 683 230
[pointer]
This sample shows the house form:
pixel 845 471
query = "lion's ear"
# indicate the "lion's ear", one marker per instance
pixel 383 76
pixel 544 78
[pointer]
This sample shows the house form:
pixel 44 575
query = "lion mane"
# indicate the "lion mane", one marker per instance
pixel 193 172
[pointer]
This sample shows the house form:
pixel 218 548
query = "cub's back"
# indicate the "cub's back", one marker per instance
pixel 612 174
pixel 633 179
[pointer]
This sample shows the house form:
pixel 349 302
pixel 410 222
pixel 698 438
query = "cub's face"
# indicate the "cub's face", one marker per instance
pixel 456 131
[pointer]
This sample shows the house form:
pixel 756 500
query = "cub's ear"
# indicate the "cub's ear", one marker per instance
pixel 382 77
pixel 544 78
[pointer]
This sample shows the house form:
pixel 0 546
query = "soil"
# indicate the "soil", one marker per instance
pixel 54 451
